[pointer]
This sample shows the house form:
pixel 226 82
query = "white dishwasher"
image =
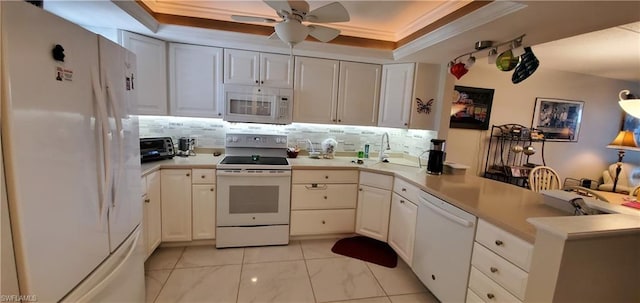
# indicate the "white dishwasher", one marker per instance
pixel 443 244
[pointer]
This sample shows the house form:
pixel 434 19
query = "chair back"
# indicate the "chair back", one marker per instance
pixel 543 177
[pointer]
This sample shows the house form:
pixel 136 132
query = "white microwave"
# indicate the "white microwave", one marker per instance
pixel 244 103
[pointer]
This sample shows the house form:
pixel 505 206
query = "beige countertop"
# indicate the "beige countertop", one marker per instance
pixel 506 206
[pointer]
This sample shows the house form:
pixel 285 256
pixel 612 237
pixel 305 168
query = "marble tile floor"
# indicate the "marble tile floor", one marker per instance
pixel 303 271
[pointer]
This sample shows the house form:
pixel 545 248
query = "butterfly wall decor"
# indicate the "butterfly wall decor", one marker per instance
pixel 424 107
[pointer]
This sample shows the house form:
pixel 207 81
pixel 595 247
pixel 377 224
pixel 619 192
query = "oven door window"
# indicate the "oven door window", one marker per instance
pixel 254 199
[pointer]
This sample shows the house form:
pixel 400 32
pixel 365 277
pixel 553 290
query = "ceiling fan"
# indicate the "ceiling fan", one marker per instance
pixel 293 13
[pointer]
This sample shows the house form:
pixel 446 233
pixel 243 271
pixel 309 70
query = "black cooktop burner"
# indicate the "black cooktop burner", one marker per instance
pixel 255 160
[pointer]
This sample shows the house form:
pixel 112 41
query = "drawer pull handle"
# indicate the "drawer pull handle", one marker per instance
pixel 490 296
pixel 404 189
pixel 493 269
pixel 315 186
pixel 499 243
pixel 323 222
pixel 147 200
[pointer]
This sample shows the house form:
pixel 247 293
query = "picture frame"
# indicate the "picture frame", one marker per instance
pixel 471 107
pixel 558 119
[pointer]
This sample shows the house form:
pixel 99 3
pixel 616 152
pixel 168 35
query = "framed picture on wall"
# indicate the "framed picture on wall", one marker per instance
pixel 471 107
pixel 558 119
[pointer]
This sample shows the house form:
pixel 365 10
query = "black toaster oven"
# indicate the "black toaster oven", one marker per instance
pixel 152 149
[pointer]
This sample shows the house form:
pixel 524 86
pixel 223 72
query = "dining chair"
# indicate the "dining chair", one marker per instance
pixel 542 178
pixel 635 192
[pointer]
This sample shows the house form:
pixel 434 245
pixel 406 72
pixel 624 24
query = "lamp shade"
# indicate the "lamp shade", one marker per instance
pixel 631 106
pixel 624 140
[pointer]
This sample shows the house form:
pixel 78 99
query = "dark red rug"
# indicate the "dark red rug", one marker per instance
pixel 367 249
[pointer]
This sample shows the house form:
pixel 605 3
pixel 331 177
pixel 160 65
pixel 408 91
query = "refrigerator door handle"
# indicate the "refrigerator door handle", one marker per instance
pixel 117 116
pixel 103 121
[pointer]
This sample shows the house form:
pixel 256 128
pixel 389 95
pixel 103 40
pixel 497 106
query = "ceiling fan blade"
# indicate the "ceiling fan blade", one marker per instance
pixel 332 12
pixel 279 6
pixel 252 19
pixel 323 33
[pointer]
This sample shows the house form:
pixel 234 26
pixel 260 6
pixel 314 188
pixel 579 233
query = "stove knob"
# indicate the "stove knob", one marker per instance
pixel 232 139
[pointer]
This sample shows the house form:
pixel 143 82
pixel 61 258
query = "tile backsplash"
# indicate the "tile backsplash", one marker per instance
pixel 210 133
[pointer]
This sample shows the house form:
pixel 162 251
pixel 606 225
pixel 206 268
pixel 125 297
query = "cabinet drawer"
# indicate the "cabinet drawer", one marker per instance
pixel 203 176
pixel 500 270
pixel 406 189
pixel 376 180
pixel 488 290
pixel 315 222
pixel 472 297
pixel 323 196
pixel 510 247
pixel 325 176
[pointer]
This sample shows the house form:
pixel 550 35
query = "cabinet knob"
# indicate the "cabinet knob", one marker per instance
pixel 406 124
pixel 211 189
pixel 261 82
pixel 256 81
pixel 326 177
pixel 188 174
pixel 499 243
pixel 360 189
pixel 325 197
pixel 402 201
pixel 323 222
pixel 404 189
pixel 219 114
pixel 203 176
pixel 493 269
pixel 490 296
pixel 339 120
pixel 147 200
pixel 334 120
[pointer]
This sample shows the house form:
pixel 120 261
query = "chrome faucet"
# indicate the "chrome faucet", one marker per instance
pixel 382 149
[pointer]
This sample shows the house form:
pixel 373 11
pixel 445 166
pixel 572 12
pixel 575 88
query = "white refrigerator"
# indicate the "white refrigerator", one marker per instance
pixel 70 151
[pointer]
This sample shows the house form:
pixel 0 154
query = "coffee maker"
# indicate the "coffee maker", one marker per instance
pixel 185 147
pixel 436 157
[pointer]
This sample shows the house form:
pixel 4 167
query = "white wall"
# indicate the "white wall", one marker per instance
pixel 514 103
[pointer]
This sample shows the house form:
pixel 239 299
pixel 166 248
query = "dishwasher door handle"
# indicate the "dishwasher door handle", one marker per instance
pixel 446 214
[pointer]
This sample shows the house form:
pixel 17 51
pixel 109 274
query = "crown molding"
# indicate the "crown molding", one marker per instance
pixel 441 11
pixel 481 16
pixel 139 13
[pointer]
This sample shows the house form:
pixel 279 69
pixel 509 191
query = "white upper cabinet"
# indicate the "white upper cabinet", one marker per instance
pixel 330 92
pixel 254 68
pixel 315 91
pixel 408 96
pixel 358 93
pixel 151 61
pixel 195 80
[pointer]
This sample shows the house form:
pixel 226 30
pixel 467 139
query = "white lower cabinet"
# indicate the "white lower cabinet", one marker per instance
pixel 176 204
pixel 402 219
pixel 500 264
pixel 204 211
pixel 323 202
pixel 152 213
pixel 402 227
pixel 374 205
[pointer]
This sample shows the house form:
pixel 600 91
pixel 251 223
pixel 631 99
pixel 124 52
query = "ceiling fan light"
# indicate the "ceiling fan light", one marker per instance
pixel 630 106
pixel 291 32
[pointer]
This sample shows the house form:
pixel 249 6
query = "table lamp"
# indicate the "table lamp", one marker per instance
pixel 625 140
